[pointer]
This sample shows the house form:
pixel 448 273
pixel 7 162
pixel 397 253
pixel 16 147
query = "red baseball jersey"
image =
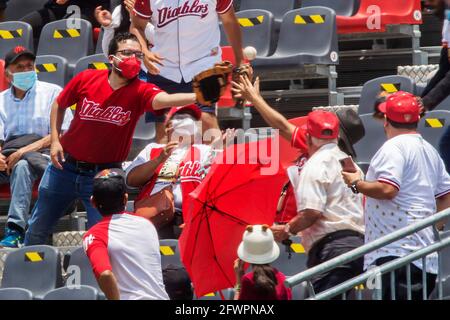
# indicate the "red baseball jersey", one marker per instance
pixel 105 119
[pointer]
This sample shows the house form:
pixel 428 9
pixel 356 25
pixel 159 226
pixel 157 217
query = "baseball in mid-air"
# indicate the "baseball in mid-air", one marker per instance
pixel 250 53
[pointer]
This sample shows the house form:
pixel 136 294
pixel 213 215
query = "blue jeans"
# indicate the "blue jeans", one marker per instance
pixel 21 183
pixel 58 190
pixel 444 148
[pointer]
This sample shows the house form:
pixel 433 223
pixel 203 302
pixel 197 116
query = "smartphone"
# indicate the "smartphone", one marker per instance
pixel 348 165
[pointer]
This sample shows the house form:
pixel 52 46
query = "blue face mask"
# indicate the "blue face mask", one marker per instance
pixel 447 14
pixel 24 80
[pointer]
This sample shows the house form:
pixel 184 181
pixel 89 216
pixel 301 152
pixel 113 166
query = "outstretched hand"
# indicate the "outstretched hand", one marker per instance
pixel 245 89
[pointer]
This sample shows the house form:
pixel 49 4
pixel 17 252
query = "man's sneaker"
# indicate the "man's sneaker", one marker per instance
pixel 12 239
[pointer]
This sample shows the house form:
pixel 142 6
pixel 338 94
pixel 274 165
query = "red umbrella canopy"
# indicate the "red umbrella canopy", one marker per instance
pixel 231 197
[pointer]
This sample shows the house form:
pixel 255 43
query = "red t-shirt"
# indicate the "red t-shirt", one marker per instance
pixel 104 121
pixel 248 291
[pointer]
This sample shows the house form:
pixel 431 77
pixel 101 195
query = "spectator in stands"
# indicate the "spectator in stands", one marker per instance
pixel 25 134
pixel 186 44
pixel 264 282
pixel 119 21
pixel 329 216
pixel 177 282
pixel 166 174
pixel 3 4
pixel 108 107
pixel 55 10
pixel 406 182
pixel 123 247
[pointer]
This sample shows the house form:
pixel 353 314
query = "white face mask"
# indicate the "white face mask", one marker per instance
pixel 184 125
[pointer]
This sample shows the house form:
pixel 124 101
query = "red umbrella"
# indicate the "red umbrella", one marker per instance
pixel 231 197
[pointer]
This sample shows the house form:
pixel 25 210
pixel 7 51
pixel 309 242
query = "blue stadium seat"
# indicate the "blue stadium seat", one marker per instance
pixel 433 125
pixel 36 268
pixel 372 141
pixel 17 9
pixel 307 36
pixel 444 105
pixel 95 61
pixel 277 7
pixel 72 293
pixel 53 69
pixel 228 294
pixel 79 259
pixel 98 46
pixel 372 89
pixel 15 33
pixel 15 294
pixel 341 7
pixel 293 263
pixel 69 38
pixel 170 253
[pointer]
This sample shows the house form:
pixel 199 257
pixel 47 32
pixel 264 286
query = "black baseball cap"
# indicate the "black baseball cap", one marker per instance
pixel 108 191
pixel 16 53
pixel 177 283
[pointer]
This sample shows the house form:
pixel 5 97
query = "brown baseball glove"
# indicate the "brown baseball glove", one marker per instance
pixel 245 70
pixel 210 84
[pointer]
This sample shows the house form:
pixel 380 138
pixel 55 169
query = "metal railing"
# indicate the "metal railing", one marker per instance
pixel 391 266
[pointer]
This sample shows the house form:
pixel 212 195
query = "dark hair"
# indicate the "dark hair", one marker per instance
pixel 120 37
pixel 265 279
pixel 398 125
pixel 377 114
pixel 124 22
pixel 108 192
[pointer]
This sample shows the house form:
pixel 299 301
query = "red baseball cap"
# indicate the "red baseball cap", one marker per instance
pixel 193 108
pixel 322 124
pixel 401 107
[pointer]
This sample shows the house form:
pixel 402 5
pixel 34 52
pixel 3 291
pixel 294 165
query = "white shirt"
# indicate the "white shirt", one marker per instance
pixel 176 157
pixel 128 245
pixel 32 113
pixel 187 34
pixel 321 187
pixel 414 167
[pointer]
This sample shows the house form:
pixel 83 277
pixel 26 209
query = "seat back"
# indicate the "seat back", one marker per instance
pixel 374 87
pixel 15 294
pixel 394 12
pixel 170 253
pixel 36 268
pixel 256 26
pixel 52 69
pixel 17 9
pixel 73 293
pixel 15 33
pixel 98 45
pixel 433 125
pixel 144 130
pixel 311 31
pixel 69 38
pixel 278 8
pixel 95 61
pixel 79 259
pixel 293 263
pixel 341 7
pixel 373 140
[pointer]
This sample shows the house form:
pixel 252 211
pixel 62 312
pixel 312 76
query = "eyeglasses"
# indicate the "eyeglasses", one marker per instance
pixel 129 53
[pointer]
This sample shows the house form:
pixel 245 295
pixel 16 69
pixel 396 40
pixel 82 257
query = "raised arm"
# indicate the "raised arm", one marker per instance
pixel 164 100
pixel 233 32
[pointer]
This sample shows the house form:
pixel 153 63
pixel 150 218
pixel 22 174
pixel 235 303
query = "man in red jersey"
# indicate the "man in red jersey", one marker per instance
pixel 108 106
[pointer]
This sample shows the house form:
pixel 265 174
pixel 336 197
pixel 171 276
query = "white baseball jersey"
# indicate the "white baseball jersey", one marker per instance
pixel 414 167
pixel 187 34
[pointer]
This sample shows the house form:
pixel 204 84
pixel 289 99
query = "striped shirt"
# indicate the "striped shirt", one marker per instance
pixel 32 113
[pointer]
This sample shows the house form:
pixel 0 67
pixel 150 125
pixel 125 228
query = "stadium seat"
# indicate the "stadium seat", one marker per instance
pixel 15 294
pixel 307 36
pixel 228 294
pixel 373 140
pixel 294 264
pixel 98 46
pixel 341 7
pixel 17 9
pixel 73 42
pixel 72 293
pixel 36 268
pixel 15 33
pixel 278 8
pixel 95 61
pixel 433 125
pixel 373 88
pixel 79 258
pixel 444 105
pixel 53 69
pixel 170 253
pixel 392 13
pixel 256 26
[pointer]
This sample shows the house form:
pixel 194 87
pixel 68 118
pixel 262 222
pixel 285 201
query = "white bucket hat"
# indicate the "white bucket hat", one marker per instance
pixel 258 245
